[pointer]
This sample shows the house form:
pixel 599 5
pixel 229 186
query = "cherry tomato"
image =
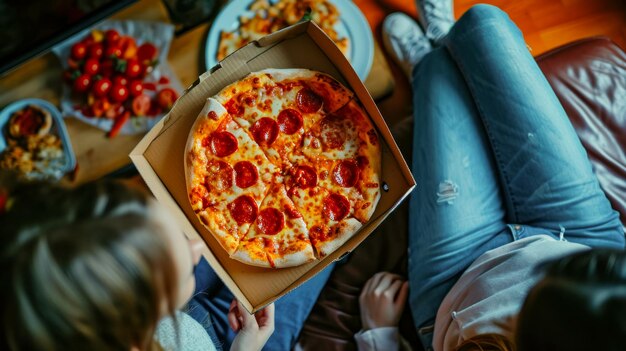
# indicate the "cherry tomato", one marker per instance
pixel 133 68
pixel 135 87
pixel 118 93
pixel 102 87
pixel 96 50
pixel 166 98
pixel 78 51
pixel 107 68
pixel 111 36
pixel 141 104
pixel 120 80
pixel 128 46
pixel 147 52
pixel 92 66
pixel 100 106
pixel 82 83
pixel 113 51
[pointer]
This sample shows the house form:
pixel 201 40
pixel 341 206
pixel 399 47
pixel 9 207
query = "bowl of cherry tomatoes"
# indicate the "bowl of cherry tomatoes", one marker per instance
pixel 117 77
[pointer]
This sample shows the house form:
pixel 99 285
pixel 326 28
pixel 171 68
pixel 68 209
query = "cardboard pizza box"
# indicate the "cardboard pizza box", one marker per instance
pixel 159 157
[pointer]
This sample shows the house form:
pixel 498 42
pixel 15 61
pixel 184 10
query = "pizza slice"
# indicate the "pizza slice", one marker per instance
pixel 328 215
pixel 227 175
pixel 278 238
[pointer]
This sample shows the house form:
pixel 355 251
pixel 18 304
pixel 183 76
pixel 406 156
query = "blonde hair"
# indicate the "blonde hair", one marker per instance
pixel 486 342
pixel 84 269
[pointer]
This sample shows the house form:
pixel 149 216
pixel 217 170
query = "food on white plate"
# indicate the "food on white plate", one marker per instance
pixel 32 149
pixel 271 16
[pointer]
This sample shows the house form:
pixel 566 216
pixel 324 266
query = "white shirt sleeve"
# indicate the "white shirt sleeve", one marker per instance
pixel 378 339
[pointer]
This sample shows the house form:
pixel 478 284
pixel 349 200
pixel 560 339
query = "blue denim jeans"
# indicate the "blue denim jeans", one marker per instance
pixel 495 159
pixel 211 300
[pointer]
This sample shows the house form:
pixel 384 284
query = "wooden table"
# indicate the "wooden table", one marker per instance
pixel 97 155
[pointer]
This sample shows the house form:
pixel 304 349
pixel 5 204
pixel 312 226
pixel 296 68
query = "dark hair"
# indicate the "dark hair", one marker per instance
pixel 580 304
pixel 81 268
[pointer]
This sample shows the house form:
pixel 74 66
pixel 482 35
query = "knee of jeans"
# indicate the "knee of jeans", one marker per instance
pixel 429 66
pixel 481 13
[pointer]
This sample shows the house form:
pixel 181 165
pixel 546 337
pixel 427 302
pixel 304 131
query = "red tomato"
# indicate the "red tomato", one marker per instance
pixel 120 80
pixel 147 52
pixel 135 87
pixel 92 66
pixel 133 68
pixel 100 106
pixel 81 84
pixel 78 51
pixel 118 93
pixel 102 87
pixel 112 51
pixel 164 80
pixel 111 36
pixel 166 98
pixel 96 50
pixel 141 105
pixel 128 46
pixel 107 67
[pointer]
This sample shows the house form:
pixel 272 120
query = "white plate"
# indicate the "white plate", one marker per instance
pixel 352 24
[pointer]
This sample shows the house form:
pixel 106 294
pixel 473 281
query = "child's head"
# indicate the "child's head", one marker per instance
pixel 90 268
pixel 579 305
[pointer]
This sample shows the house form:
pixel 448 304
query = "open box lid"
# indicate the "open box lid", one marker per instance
pixel 159 157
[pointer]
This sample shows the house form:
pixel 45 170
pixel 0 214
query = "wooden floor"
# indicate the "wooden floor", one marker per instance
pixel 546 24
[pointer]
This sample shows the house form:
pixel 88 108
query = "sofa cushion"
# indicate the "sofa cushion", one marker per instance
pixel 589 77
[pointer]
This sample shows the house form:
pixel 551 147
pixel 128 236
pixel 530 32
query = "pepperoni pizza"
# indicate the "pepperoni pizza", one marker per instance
pixel 283 167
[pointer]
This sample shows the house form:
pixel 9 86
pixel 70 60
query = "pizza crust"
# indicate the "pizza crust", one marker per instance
pixel 343 231
pixel 295 259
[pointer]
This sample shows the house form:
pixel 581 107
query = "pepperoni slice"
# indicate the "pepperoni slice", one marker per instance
pixel 336 207
pixel 346 173
pixel 234 108
pixel 219 176
pixel 307 101
pixel 212 115
pixel 289 121
pixel 243 209
pixel 223 143
pixel 270 221
pixel 264 131
pixel 305 177
pixel 246 174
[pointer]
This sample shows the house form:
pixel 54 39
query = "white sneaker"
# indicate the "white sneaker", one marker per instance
pixel 437 16
pixel 405 41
